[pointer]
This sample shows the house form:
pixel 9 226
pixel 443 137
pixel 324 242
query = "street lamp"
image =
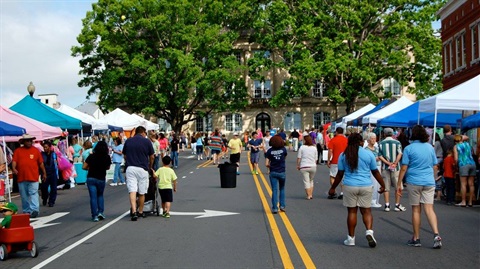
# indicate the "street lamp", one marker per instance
pixel 31 88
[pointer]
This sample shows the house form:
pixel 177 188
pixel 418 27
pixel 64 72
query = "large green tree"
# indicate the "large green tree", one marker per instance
pixel 350 46
pixel 165 58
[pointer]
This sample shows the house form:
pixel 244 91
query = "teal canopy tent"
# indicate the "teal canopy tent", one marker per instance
pixel 35 109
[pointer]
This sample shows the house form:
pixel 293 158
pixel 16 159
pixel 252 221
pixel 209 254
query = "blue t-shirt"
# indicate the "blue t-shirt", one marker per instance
pixel 420 159
pixel 137 151
pixel 362 176
pixel 277 159
pixel 117 158
pixel 255 142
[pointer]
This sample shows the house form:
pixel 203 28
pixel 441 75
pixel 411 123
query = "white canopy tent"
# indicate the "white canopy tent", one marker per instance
pixel 357 113
pixel 465 96
pixel 122 119
pixel 97 124
pixel 150 125
pixel 396 106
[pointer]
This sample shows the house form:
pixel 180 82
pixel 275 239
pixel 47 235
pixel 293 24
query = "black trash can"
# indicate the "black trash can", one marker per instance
pixel 228 175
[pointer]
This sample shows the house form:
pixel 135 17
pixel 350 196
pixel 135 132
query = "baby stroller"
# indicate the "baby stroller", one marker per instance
pixel 151 205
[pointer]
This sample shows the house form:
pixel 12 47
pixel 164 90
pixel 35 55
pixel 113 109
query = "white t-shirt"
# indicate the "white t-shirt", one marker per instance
pixel 308 156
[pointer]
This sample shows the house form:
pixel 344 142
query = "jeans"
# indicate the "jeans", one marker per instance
pixel 277 181
pixel 29 194
pixel 51 196
pixel 174 157
pixel 450 187
pixel 156 162
pixel 117 174
pixel 95 189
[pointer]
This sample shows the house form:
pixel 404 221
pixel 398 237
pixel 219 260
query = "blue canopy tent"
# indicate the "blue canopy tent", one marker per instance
pixel 470 122
pixel 35 109
pixel 10 130
pixel 408 117
pixel 382 104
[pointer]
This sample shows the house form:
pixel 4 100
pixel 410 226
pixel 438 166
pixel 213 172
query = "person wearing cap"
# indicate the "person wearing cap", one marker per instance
pixel 390 153
pixel 8 210
pixel 235 145
pixel 26 164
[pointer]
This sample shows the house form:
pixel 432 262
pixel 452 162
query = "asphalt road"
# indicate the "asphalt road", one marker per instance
pixel 309 235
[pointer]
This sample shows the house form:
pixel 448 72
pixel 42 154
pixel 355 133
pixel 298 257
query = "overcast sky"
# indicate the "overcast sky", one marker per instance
pixel 35 41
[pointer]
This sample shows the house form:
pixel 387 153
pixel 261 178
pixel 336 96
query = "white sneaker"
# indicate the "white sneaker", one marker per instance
pixel 400 208
pixel 371 240
pixel 113 184
pixel 350 241
pixel 375 205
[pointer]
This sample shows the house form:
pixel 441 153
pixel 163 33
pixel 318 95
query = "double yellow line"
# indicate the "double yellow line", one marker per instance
pixel 282 249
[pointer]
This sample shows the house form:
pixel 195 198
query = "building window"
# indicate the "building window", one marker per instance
pixel 238 56
pixel 474 30
pixel 390 85
pixel 320 118
pixel 203 124
pixel 317 90
pixel 293 120
pixel 261 53
pixel 233 123
pixel 262 89
pixel 460 51
pixel 164 126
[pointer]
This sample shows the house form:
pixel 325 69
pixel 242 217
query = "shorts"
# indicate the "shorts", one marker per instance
pixel 357 196
pixel 333 170
pixel 420 194
pixel 235 158
pixel 254 157
pixel 390 178
pixel 166 195
pixel 467 170
pixel 308 173
pixel 137 179
pixel 215 151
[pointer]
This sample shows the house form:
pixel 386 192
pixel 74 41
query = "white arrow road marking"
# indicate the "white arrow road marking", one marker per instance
pixel 206 214
pixel 42 222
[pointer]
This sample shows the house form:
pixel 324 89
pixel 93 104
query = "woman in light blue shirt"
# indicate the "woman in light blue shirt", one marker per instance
pixel 419 167
pixel 355 165
pixel 117 158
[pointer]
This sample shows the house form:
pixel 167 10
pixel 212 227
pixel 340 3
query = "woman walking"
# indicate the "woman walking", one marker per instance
pixel 97 165
pixel 355 165
pixel 462 153
pixel 117 158
pixel 307 164
pixel 419 168
pixel 275 161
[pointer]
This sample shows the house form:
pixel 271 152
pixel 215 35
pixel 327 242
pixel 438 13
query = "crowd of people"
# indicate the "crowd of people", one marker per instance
pixel 363 166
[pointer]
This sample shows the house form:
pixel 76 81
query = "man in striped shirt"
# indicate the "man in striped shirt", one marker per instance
pixel 390 155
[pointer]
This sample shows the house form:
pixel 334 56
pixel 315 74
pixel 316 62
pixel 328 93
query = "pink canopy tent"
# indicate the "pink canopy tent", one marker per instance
pixel 33 127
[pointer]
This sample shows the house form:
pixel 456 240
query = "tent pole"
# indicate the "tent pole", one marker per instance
pixel 7 179
pixel 434 125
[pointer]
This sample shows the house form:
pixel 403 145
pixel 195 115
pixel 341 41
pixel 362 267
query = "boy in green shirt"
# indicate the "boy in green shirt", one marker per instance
pixel 167 184
pixel 8 210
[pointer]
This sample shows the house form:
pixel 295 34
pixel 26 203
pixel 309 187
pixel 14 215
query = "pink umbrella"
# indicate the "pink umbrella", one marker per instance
pixel 33 127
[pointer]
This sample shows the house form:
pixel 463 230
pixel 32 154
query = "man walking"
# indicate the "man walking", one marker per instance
pixel 337 145
pixel 26 164
pixel 139 155
pixel 390 154
pixel 235 145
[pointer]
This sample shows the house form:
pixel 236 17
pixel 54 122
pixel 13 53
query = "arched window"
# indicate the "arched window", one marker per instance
pixel 293 120
pixel 233 122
